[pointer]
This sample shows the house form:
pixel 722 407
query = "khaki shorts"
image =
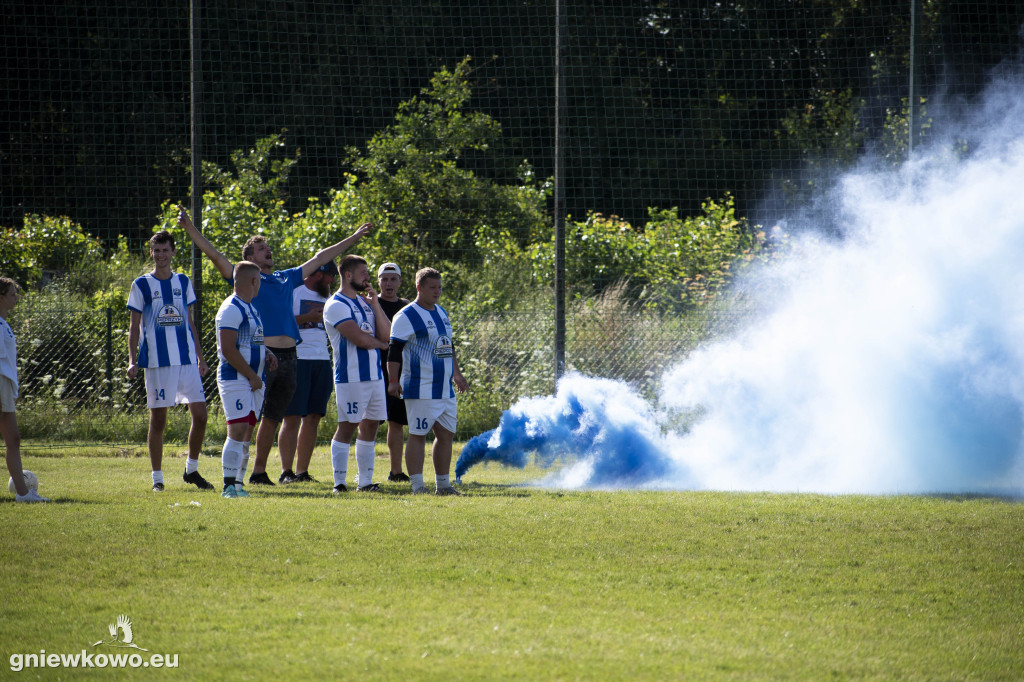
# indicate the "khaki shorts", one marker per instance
pixel 8 394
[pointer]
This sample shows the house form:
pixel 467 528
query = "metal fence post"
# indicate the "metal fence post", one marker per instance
pixel 913 122
pixel 559 196
pixel 110 355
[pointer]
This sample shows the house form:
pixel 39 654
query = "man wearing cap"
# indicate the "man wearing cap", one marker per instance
pixel 389 279
pixel 313 383
pixel 281 332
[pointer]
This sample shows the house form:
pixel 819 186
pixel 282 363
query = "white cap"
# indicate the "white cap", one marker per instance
pixel 389 267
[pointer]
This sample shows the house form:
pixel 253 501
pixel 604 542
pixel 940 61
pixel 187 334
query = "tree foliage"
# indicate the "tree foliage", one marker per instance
pixel 412 184
pixel 666 103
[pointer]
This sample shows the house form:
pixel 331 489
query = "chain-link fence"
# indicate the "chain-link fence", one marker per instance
pixel 74 388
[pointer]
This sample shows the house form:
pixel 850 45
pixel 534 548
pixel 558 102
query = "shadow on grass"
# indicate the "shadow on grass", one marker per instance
pixel 397 492
pixel 1008 496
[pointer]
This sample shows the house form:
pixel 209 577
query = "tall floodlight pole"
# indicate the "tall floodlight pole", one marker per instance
pixel 913 118
pixel 559 198
pixel 196 208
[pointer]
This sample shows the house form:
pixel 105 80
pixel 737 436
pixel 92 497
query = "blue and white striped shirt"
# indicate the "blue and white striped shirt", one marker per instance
pixel 242 317
pixel 351 363
pixel 428 358
pixel 164 305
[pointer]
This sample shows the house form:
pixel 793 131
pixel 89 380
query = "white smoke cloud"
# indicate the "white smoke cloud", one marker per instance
pixel 889 361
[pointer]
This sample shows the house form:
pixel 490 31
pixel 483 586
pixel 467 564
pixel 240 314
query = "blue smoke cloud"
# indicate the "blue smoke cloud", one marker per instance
pixel 888 361
pixel 606 434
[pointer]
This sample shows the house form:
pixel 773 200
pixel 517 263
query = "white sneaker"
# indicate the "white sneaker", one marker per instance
pixel 31 496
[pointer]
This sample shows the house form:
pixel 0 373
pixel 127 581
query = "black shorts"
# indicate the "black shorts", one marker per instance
pixel 280 384
pixel 314 382
pixel 395 406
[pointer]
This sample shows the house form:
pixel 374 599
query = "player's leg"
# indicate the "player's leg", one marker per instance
pixel 396 441
pixel 265 435
pixel 197 429
pixel 279 390
pixel 373 404
pixel 397 419
pixel 161 393
pixel 441 454
pixel 155 444
pixel 306 442
pixel 414 455
pixel 298 407
pixel 366 440
pixel 196 433
pixel 287 442
pixel 12 443
pixel 444 434
pixel 232 457
pixel 340 451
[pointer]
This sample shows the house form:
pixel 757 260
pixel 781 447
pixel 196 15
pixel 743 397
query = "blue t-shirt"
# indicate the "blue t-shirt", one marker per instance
pixel 274 302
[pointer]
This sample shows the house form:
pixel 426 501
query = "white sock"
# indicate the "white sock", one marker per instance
pixel 339 460
pixel 442 481
pixel 364 460
pixel 158 477
pixel 243 462
pixel 230 458
pixel 417 481
pixel 191 465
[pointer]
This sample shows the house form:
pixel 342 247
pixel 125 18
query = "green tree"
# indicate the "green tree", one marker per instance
pixel 431 209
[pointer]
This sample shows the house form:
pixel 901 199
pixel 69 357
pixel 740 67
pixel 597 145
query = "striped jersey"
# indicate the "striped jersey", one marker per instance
pixel 428 359
pixel 351 363
pixel 164 305
pixel 236 314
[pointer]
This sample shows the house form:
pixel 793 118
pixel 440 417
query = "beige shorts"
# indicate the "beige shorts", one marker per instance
pixel 8 394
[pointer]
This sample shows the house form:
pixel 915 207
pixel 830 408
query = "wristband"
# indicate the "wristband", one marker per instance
pixel 394 381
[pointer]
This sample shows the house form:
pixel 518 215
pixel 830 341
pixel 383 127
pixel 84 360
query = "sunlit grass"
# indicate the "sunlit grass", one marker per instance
pixel 511 581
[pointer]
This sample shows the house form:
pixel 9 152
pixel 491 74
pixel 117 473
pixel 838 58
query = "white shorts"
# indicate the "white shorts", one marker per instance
pixel 8 394
pixel 238 399
pixel 361 400
pixel 174 385
pixel 425 412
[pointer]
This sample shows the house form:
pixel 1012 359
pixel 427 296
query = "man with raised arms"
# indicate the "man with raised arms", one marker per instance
pixel 314 374
pixel 274 303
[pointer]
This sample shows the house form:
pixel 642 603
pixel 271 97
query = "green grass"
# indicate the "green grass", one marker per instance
pixel 510 581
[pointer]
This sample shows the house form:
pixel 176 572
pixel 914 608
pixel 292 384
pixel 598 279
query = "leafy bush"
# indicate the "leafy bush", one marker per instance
pixel 45 246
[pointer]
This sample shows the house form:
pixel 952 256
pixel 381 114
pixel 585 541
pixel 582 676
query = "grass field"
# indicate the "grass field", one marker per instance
pixel 508 581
